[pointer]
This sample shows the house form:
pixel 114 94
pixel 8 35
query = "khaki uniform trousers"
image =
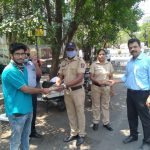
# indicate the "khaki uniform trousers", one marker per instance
pixel 100 103
pixel 74 101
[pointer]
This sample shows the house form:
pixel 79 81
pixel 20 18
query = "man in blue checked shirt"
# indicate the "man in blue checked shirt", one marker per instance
pixel 137 81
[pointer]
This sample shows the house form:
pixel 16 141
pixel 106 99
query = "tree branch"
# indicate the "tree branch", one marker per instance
pixel 74 24
pixel 48 9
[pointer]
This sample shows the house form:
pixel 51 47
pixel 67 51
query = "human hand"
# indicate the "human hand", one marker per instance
pixel 111 82
pixel 101 82
pixel 104 82
pixel 57 88
pixel 60 88
pixel 46 90
pixel 148 102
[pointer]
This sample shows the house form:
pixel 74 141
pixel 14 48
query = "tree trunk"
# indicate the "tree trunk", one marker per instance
pixel 57 42
pixel 55 62
pixel 87 53
pixel 10 37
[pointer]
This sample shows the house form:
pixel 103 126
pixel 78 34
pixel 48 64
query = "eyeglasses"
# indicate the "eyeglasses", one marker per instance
pixel 28 54
pixel 19 54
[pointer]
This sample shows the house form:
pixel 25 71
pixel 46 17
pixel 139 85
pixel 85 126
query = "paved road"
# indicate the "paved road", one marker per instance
pixel 54 127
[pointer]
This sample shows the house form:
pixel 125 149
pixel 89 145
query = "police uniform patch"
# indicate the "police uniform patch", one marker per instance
pixel 82 65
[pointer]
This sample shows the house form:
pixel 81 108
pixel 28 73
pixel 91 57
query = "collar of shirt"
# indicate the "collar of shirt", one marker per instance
pixel 141 56
pixel 97 62
pixel 20 67
pixel 75 58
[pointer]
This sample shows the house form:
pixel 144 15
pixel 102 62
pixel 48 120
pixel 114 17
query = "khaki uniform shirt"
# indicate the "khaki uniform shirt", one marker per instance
pixel 70 68
pixel 101 71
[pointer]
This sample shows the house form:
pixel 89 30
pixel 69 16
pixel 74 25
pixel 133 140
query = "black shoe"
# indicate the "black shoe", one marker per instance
pixel 80 140
pixel 70 138
pixel 95 126
pixel 108 127
pixel 35 135
pixel 144 146
pixel 130 139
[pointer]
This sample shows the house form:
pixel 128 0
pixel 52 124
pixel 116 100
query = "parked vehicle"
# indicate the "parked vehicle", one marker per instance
pixel 87 84
pixel 147 51
pixel 55 98
pixel 45 65
pixel 45 68
pixel 87 81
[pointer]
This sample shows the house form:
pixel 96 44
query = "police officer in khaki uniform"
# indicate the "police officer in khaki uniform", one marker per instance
pixel 100 72
pixel 72 70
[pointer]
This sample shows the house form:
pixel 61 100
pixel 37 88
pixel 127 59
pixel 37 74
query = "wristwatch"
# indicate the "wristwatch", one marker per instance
pixel 64 86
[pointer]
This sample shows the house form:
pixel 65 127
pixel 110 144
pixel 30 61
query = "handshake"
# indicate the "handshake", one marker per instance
pixel 51 87
pixel 106 82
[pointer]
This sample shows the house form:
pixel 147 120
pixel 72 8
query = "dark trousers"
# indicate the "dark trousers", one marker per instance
pixel 34 104
pixel 136 106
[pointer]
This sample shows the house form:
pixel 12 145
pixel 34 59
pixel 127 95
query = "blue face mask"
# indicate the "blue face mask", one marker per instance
pixel 71 54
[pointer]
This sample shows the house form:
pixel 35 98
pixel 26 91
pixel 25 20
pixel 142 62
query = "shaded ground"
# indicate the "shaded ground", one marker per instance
pixel 54 127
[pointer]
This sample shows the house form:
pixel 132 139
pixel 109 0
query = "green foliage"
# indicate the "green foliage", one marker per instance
pixel 105 19
pixel 100 19
pixel 88 22
pixel 144 35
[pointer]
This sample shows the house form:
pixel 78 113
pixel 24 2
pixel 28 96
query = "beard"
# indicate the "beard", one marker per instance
pixel 19 62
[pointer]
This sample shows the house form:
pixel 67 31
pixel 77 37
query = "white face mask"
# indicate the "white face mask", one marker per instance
pixel 26 60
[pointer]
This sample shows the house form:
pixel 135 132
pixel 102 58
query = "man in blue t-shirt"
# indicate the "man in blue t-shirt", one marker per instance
pixel 17 97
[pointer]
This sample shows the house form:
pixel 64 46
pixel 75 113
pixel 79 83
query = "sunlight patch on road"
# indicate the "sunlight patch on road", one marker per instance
pixel 33 146
pixel 83 146
pixel 62 129
pixel 5 134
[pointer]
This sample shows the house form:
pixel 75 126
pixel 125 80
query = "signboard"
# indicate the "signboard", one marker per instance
pixel 39 32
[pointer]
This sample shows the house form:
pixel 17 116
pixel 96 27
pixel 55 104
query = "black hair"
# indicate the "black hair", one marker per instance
pixel 16 46
pixel 101 50
pixel 134 40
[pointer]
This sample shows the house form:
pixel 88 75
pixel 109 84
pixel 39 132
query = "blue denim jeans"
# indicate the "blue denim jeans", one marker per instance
pixel 20 131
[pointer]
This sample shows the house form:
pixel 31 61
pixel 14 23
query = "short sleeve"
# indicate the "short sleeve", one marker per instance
pixel 61 68
pixel 81 66
pixel 15 79
pixel 111 68
pixel 92 68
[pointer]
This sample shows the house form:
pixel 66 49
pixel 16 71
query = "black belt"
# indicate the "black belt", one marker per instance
pixel 76 87
pixel 102 85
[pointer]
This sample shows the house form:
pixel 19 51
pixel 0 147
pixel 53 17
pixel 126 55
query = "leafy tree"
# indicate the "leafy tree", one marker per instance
pixel 90 23
pixel 104 22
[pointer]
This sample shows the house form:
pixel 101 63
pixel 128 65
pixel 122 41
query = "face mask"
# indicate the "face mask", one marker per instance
pixel 26 60
pixel 71 54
